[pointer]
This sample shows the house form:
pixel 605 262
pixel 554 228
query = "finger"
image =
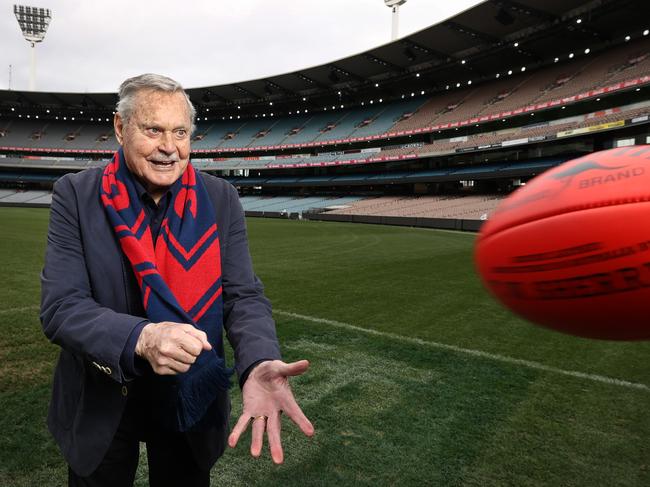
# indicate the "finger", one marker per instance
pixel 257 435
pixel 240 427
pixel 190 344
pixel 297 416
pixel 294 368
pixel 178 367
pixel 200 335
pixel 164 370
pixel 177 353
pixel 273 428
pixel 164 363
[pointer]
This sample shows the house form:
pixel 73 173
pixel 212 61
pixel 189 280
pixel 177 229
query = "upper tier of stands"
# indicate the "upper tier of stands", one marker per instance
pixel 508 93
pixel 556 82
pixel 536 132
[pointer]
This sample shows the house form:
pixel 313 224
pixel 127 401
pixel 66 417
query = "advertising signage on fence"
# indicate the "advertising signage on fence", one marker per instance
pixel 508 143
pixel 593 128
pixel 537 138
pixel 466 149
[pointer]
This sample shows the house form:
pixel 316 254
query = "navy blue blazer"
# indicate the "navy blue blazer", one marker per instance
pixel 90 304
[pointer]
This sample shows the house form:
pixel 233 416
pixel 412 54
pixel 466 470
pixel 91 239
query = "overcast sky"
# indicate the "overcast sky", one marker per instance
pixel 93 45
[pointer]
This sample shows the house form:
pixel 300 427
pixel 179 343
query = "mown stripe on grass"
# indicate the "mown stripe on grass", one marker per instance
pixel 468 351
pixel 19 310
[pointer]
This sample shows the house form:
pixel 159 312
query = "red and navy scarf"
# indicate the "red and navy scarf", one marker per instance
pixel 179 279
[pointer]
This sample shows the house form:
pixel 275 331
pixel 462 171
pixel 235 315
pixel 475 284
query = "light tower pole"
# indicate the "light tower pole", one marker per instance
pixel 395 5
pixel 33 22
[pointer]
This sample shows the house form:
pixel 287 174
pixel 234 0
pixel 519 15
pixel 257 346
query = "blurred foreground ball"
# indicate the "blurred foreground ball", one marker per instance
pixel 571 249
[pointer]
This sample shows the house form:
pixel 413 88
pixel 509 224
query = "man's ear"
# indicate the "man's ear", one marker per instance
pixel 118 125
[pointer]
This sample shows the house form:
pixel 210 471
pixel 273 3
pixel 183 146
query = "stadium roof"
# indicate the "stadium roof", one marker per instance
pixel 493 37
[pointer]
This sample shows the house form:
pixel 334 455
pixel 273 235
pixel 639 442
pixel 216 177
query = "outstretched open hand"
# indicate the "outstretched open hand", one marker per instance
pixel 266 395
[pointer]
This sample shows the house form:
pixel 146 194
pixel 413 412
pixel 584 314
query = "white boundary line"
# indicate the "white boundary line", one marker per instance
pixel 18 310
pixel 468 351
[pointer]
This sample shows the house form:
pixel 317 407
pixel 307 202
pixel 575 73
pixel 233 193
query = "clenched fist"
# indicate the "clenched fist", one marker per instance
pixel 171 348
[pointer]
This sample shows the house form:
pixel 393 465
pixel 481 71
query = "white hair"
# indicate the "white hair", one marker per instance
pixel 156 82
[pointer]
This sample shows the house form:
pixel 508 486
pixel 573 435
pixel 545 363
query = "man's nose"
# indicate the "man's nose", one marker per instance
pixel 167 143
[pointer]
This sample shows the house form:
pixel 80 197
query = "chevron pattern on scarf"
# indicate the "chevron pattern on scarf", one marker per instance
pixel 179 279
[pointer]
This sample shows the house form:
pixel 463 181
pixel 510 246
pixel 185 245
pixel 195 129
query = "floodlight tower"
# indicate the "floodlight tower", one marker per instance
pixel 33 22
pixel 395 5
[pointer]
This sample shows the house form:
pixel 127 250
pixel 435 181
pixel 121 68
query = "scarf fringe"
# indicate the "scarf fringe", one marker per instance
pixel 198 391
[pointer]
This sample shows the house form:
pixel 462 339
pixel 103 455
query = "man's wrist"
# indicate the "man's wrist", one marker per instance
pixel 141 342
pixel 244 377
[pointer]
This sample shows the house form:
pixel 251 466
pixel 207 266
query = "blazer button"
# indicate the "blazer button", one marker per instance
pixel 125 391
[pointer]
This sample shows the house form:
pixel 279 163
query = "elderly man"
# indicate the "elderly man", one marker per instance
pixel 146 261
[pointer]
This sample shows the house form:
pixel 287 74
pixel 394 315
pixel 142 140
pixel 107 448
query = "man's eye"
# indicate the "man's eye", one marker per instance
pixel 153 131
pixel 181 133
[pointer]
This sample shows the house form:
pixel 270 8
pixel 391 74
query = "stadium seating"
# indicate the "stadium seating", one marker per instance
pixel 463 207
pixel 27 197
pixel 440 146
pixel 291 204
pixel 508 93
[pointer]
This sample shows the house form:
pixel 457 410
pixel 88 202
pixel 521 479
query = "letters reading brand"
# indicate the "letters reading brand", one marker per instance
pixel 611 178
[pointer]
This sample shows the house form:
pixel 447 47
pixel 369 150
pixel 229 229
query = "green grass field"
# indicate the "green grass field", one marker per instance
pixel 374 308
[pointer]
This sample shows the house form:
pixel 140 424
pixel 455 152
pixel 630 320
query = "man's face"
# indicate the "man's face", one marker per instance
pixel 156 139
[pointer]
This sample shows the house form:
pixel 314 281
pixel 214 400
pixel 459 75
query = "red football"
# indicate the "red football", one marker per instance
pixel 571 249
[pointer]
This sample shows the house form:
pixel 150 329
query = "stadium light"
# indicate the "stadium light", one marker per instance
pixel 33 22
pixel 394 5
pixel 646 32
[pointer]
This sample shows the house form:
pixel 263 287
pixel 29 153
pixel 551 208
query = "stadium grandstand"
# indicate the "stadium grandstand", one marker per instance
pixel 432 129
